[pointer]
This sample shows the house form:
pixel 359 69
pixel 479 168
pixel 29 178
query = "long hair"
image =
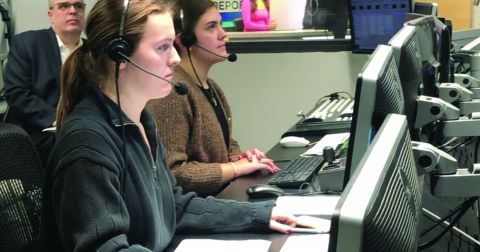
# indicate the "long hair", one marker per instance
pixel 192 11
pixel 89 66
pixel 254 4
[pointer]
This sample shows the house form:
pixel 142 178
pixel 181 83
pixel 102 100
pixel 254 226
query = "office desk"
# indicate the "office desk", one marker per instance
pixel 236 190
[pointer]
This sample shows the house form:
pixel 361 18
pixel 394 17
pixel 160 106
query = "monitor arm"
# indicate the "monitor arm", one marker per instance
pixel 461 127
pixel 473 59
pixel 430 159
pixel 446 179
pixel 473 84
pixel 451 92
pixel 431 109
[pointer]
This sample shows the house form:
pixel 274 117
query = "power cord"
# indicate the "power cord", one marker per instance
pixel 124 138
pixel 454 147
pixel 334 96
pixel 461 209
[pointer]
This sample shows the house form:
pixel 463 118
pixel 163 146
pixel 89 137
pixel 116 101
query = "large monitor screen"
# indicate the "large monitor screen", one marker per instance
pixel 407 56
pixel 378 93
pixel 425 29
pixel 380 209
pixel 286 25
pixel 375 22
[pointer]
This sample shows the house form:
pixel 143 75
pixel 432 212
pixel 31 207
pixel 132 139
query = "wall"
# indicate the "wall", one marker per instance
pixel 459 11
pixel 32 14
pixel 265 91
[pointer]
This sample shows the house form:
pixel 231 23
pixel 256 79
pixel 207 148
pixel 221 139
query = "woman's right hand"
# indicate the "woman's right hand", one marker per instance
pixel 273 25
pixel 244 166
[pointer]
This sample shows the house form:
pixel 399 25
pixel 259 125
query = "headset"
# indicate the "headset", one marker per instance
pixel 119 50
pixel 119 47
pixel 187 37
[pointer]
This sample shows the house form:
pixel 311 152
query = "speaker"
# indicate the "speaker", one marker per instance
pixel 119 47
pixel 187 37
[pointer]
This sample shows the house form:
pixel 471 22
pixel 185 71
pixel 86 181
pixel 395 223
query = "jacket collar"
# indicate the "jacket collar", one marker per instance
pixel 110 111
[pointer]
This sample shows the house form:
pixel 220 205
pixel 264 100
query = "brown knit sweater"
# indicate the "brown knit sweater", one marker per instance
pixel 190 130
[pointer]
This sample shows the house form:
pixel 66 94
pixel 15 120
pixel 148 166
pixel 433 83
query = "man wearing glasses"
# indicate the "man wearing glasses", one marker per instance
pixel 33 67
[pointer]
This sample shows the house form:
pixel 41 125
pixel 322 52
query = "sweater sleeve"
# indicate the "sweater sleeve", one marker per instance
pixel 249 22
pixel 212 215
pixel 174 118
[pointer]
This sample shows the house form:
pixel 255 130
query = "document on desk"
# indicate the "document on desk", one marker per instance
pixel 306 243
pixel 316 205
pixel 332 140
pixel 213 245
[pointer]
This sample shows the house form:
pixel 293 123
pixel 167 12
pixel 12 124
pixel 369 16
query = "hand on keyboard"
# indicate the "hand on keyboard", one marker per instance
pixel 248 154
pixel 244 166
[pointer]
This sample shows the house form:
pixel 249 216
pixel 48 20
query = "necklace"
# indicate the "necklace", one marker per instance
pixel 210 95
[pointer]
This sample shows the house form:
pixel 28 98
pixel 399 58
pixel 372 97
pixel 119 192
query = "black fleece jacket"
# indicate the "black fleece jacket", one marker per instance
pixel 98 198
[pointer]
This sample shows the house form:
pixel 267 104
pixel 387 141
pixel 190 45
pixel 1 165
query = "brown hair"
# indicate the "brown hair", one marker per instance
pixel 192 11
pixel 89 66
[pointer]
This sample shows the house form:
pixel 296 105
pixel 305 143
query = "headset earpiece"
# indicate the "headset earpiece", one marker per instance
pixel 188 39
pixel 118 47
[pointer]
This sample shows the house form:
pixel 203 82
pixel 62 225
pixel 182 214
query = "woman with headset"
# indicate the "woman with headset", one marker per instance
pixel 107 186
pixel 197 128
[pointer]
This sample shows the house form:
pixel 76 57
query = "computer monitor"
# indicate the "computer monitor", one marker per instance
pixel 375 22
pixel 406 51
pixel 378 93
pixel 444 44
pixel 380 208
pixel 425 28
pixel 425 8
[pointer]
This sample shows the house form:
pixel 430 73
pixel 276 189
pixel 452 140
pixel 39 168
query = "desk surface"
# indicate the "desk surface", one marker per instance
pixel 236 190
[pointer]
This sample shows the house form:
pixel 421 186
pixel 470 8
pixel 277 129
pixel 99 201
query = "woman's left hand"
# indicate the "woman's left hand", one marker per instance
pixel 281 221
pixel 248 154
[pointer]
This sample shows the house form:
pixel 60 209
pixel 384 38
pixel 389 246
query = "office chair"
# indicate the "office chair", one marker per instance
pixel 20 190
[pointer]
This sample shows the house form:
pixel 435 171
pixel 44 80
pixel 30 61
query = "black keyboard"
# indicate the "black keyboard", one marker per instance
pixel 301 170
pixel 326 116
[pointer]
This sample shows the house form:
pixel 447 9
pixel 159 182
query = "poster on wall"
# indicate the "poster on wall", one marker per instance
pixel 229 10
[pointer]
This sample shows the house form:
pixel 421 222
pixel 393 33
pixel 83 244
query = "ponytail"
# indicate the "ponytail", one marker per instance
pixel 75 79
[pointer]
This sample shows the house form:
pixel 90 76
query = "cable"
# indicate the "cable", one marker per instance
pixel 334 96
pixel 466 142
pixel 119 114
pixel 193 67
pixel 440 221
pixel 464 207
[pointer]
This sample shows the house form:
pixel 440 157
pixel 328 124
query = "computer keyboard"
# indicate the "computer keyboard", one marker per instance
pixel 301 170
pixel 328 115
pixel 333 110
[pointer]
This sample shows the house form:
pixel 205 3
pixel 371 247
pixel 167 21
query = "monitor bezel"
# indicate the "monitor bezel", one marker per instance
pixel 368 182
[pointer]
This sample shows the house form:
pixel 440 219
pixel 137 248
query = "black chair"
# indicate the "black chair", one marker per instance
pixel 20 190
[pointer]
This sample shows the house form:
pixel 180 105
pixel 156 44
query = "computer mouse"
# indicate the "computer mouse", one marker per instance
pixel 264 191
pixel 293 141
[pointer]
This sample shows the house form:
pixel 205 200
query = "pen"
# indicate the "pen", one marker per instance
pixel 308 231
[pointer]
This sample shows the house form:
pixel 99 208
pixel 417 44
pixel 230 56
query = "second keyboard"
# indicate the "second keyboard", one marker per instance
pixel 300 171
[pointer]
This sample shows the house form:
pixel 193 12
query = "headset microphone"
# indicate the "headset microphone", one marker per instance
pixel 180 88
pixel 232 57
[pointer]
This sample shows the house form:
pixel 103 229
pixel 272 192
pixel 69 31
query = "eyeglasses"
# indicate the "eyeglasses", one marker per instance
pixel 63 6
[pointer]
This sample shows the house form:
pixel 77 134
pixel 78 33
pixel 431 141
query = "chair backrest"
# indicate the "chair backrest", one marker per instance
pixel 20 190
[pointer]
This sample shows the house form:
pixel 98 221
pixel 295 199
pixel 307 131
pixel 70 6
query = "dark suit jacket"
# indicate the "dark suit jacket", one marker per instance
pixel 32 79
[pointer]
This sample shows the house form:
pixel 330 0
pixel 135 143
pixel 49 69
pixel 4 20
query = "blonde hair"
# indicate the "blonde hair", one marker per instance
pixel 89 66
